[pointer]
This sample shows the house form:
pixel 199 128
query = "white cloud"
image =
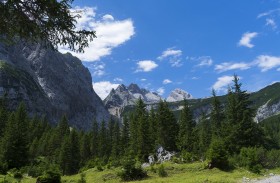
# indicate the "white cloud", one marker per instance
pixel 118 80
pixel 174 57
pixel 161 91
pixel 110 34
pixel 270 12
pixel 247 38
pixel 266 62
pixel 203 60
pixel 97 69
pixel 143 79
pixel 166 81
pixel 103 88
pixel 108 17
pixel 226 66
pixel 221 85
pixel 195 78
pixel 146 66
pixel 271 22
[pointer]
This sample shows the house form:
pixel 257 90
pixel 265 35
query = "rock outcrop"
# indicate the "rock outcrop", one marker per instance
pixel 49 83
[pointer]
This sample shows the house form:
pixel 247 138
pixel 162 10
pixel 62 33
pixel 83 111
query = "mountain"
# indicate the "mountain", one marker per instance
pixel 266 103
pixel 49 83
pixel 124 96
pixel 178 95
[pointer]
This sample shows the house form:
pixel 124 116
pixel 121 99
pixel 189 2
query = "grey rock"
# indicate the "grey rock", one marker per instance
pixel 50 83
pixel 124 96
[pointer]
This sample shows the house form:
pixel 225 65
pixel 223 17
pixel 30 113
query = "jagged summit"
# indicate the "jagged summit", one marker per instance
pixel 178 95
pixel 128 95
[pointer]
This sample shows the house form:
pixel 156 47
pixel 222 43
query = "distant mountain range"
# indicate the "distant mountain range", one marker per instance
pixel 124 96
pixel 121 100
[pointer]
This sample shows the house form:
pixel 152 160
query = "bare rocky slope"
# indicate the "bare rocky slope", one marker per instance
pixel 49 83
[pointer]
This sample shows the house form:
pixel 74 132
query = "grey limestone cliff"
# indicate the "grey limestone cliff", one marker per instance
pixel 49 83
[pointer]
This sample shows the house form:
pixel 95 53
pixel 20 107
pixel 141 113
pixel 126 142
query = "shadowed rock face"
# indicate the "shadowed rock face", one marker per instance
pixel 49 83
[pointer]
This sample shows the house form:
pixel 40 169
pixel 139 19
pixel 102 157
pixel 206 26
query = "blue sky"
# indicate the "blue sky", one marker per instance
pixel 194 45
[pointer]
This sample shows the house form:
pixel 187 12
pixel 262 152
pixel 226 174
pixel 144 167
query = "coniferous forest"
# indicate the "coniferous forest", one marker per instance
pixel 226 138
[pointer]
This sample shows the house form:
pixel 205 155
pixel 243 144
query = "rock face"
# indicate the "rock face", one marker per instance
pixel 49 83
pixel 127 96
pixel 178 95
pixel 266 111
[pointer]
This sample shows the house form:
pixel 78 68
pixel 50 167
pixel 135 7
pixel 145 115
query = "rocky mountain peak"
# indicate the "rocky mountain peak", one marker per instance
pixel 125 96
pixel 49 83
pixel 178 95
pixel 134 88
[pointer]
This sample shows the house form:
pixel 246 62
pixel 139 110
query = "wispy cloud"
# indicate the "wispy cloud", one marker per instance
pixel 166 81
pixel 247 38
pixel 110 33
pixel 103 88
pixel 267 13
pixel 271 22
pixel 266 62
pixel 146 66
pixel 160 91
pixel 222 83
pixel 173 55
pixel 202 61
pixel 226 66
pixel 118 80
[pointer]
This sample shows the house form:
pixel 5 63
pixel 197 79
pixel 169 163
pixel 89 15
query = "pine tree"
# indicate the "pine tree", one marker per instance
pixel 216 116
pixel 116 143
pixel 85 148
pixel 103 141
pixel 15 140
pixel 243 131
pixel 167 127
pixel 125 134
pixel 186 129
pixel 94 139
pixel 69 154
pixel 204 130
pixel 143 137
pixel 153 128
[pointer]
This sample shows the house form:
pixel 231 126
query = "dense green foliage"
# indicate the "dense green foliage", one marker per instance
pixel 227 136
pixel 48 22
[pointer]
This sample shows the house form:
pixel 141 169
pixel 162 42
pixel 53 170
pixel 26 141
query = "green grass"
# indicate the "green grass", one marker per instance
pixel 177 173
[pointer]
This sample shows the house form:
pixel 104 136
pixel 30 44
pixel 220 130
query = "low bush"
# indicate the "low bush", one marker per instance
pixel 50 176
pixel 131 172
pixel 217 155
pixel 161 171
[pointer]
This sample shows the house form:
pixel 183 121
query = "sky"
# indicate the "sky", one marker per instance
pixel 194 45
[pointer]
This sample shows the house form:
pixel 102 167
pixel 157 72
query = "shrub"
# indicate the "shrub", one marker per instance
pixel 251 158
pixel 161 171
pixel 131 172
pixel 18 175
pixel 217 155
pixel 50 176
pixel 272 159
pixel 82 179
pixel 99 168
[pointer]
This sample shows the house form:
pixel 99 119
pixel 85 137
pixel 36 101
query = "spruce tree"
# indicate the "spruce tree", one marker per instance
pixel 116 143
pixel 94 139
pixel 85 151
pixel 216 116
pixel 167 127
pixel 243 131
pixel 15 140
pixel 186 140
pixel 204 130
pixel 69 154
pixel 153 128
pixel 103 141
pixel 125 134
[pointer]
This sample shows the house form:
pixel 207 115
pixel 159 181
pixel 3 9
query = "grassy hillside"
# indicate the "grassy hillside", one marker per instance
pixel 177 173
